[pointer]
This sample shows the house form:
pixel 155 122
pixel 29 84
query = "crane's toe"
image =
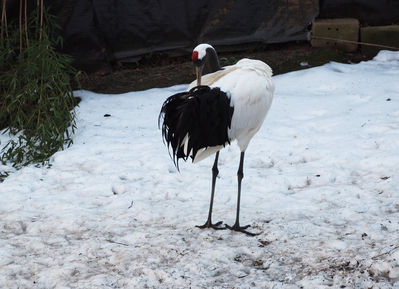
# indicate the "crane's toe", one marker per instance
pixel 209 224
pixel 242 229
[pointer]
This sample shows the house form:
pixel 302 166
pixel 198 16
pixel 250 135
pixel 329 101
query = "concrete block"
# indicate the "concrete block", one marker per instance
pixel 341 28
pixel 383 35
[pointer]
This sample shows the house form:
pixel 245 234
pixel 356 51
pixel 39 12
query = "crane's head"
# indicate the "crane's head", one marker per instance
pixel 205 60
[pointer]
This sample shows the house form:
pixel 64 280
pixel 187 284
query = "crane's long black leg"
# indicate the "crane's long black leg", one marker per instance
pixel 208 223
pixel 240 176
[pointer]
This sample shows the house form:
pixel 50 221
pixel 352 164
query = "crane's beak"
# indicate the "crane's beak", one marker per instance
pixel 198 73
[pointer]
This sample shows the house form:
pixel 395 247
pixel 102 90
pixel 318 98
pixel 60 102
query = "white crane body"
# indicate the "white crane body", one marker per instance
pixel 221 106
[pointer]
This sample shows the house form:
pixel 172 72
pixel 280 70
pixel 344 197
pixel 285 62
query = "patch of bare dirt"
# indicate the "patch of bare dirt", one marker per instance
pixel 161 70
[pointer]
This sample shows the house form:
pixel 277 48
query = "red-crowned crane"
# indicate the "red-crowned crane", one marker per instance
pixel 223 105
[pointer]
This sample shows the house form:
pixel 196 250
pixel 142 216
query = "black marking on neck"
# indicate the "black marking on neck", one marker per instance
pixel 211 62
pixel 203 113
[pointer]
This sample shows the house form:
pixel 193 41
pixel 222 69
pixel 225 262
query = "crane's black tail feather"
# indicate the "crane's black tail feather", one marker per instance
pixel 203 114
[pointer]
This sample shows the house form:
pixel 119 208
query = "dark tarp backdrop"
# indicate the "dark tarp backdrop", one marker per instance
pixel 97 32
pixel 103 30
pixel 368 12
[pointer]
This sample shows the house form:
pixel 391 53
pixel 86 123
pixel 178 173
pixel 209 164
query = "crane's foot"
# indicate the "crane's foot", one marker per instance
pixel 209 224
pixel 242 229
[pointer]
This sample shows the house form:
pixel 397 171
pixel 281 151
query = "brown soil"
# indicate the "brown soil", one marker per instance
pixel 160 70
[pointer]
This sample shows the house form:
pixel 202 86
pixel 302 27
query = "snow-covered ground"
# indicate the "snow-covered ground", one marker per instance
pixel 321 186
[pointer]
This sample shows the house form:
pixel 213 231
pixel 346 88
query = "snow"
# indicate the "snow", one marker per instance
pixel 321 187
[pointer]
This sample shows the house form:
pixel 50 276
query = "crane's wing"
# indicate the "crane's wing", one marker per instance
pixel 195 120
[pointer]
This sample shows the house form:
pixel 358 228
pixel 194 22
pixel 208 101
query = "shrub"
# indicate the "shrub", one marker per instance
pixel 36 104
